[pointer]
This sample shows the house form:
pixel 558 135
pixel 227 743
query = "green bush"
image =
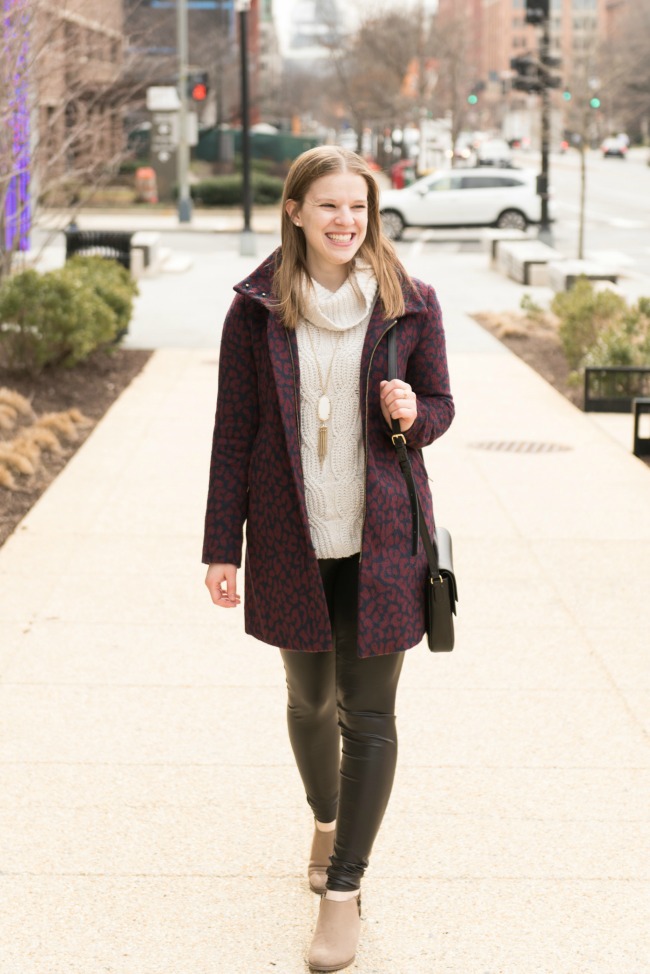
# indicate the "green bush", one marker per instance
pixel 110 281
pixel 600 328
pixel 228 190
pixel 61 317
pixel 585 314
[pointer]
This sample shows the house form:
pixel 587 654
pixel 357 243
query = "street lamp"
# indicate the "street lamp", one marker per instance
pixel 247 242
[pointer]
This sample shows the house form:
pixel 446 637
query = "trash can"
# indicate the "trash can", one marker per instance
pixel 146 187
pixel 402 173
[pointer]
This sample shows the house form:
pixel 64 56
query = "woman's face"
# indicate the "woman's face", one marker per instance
pixel 334 220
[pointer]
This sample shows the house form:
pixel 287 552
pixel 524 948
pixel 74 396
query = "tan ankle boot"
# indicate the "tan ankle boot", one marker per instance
pixel 322 847
pixel 336 936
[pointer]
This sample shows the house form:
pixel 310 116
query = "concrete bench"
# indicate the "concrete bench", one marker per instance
pixel 527 261
pixel 563 274
pixel 493 238
pixel 148 245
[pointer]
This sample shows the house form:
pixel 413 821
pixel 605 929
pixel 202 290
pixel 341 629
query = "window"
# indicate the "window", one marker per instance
pixel 480 182
pixel 445 183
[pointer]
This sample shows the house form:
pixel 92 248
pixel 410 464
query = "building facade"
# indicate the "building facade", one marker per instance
pixel 497 33
pixel 77 53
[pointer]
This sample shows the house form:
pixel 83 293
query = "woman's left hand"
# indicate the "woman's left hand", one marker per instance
pixel 398 401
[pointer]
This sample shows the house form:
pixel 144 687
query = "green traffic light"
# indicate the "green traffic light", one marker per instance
pixel 595 102
pixel 566 95
pixel 472 99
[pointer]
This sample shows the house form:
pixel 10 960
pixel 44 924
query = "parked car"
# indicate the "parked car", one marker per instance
pixel 615 146
pixel 500 197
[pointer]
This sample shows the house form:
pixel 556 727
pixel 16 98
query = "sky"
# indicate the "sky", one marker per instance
pixel 282 10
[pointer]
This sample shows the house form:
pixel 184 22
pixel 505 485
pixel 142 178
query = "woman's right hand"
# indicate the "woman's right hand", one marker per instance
pixel 216 577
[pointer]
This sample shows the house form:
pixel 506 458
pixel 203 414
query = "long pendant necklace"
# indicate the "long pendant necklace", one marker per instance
pixel 324 404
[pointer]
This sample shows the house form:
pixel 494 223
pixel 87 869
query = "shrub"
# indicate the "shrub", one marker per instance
pixel 110 281
pixel 52 318
pixel 585 314
pixel 600 328
pixel 228 190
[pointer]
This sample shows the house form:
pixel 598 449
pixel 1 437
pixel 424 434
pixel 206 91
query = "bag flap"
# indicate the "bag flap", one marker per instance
pixel 446 559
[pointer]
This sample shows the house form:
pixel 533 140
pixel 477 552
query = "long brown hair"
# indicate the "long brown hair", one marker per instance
pixel 291 271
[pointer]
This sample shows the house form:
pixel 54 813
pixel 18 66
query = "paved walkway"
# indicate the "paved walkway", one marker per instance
pixel 151 816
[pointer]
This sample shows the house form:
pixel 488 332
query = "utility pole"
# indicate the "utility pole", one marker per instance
pixel 183 151
pixel 534 75
pixel 247 241
pixel 545 233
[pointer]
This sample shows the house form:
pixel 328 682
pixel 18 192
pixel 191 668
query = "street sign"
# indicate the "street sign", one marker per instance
pixel 163 98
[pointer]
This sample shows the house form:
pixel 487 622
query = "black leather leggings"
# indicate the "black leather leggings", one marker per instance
pixel 337 698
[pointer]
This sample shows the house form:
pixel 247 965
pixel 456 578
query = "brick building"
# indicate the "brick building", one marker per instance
pixel 77 56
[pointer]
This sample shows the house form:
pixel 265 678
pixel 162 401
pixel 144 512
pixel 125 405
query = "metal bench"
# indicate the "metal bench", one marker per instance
pixel 641 446
pixel 111 244
pixel 613 388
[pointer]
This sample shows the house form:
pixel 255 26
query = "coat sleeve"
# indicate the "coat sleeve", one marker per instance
pixel 235 429
pixel 428 376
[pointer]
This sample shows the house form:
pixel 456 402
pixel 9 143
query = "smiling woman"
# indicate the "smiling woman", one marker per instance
pixel 302 453
pixel 334 220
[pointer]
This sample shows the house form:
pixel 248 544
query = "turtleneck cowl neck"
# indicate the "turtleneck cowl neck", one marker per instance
pixel 330 341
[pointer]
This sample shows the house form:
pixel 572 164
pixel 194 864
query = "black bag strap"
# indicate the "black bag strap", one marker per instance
pixel 399 442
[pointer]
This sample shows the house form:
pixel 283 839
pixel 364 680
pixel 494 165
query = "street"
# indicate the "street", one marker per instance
pixel 617 232
pixel 617 224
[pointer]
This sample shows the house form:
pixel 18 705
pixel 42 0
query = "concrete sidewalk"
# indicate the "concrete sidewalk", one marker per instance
pixel 151 814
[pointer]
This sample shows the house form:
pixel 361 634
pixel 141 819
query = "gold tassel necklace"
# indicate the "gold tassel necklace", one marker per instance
pixel 324 404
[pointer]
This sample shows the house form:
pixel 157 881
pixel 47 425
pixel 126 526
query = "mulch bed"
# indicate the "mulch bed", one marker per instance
pixel 536 341
pixel 91 387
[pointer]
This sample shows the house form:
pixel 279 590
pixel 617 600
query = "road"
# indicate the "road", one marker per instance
pixel 617 225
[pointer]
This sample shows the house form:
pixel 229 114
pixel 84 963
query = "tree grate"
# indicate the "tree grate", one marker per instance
pixel 519 446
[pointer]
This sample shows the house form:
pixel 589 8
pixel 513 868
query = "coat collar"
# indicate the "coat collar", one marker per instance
pixel 259 283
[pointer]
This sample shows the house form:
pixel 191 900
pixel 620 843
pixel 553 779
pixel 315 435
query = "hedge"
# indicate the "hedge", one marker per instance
pixel 61 317
pixel 228 190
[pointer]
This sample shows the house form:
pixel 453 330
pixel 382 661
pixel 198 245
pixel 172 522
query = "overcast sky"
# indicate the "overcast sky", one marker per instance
pixel 282 11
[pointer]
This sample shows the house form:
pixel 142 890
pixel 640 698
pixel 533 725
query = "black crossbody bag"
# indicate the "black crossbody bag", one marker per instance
pixel 441 592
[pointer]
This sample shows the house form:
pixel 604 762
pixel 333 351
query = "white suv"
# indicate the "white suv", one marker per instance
pixel 463 198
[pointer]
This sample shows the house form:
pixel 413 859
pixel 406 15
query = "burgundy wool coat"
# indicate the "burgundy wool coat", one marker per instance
pixel 256 474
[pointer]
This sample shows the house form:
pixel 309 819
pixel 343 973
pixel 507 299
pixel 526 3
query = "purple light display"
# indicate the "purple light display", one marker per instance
pixel 17 216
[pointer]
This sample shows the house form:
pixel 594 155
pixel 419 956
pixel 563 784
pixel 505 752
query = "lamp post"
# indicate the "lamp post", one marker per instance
pixel 183 151
pixel 247 241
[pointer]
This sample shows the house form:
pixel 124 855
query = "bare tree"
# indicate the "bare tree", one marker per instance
pixel 450 44
pixel 625 71
pixel 584 83
pixel 74 74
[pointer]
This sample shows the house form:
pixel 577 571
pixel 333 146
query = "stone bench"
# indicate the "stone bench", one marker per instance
pixel 147 244
pixel 492 238
pixel 527 261
pixel 563 274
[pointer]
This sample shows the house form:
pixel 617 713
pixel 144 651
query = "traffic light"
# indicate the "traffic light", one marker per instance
pixel 197 86
pixel 566 95
pixel 528 74
pixel 534 75
pixel 594 102
pixel 472 99
pixel 537 11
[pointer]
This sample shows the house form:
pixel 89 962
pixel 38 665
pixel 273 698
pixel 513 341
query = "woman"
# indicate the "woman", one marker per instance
pixel 302 452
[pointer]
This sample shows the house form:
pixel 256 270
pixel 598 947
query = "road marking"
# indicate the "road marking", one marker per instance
pixel 616 257
pixel 619 223
pixel 622 224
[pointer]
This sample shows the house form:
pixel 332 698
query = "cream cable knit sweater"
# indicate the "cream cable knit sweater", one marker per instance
pixel 334 491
